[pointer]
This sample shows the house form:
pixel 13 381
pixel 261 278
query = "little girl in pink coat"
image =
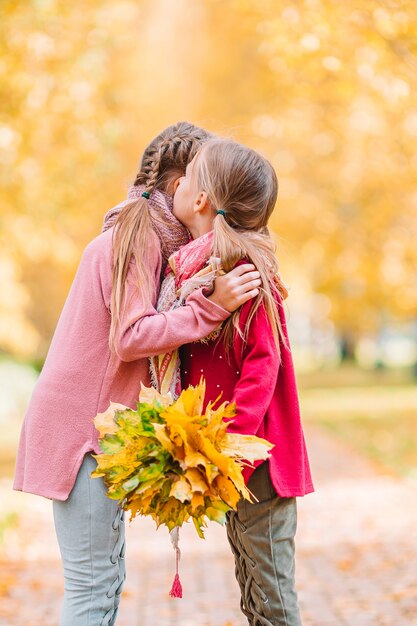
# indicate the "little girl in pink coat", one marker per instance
pixel 99 353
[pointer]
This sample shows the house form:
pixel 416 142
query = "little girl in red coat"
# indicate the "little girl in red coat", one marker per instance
pixel 225 200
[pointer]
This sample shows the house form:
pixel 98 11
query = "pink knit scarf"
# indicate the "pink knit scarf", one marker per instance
pixel 190 268
pixel 171 233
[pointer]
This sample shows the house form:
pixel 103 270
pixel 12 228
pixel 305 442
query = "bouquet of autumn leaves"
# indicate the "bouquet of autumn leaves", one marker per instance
pixel 172 461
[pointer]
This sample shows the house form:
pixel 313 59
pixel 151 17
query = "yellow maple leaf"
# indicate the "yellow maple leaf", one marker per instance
pixel 162 436
pixel 248 447
pixel 197 501
pixel 190 401
pixel 181 490
pixel 227 490
pixel 104 422
pixel 196 480
pixel 149 395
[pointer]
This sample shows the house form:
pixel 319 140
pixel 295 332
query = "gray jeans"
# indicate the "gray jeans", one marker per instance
pixel 91 536
pixel 261 536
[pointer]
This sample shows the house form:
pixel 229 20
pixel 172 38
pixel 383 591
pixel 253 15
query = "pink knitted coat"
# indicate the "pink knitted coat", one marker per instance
pixel 80 375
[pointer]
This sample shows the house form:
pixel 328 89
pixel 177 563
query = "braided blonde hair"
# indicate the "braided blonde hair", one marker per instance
pixel 243 184
pixel 163 161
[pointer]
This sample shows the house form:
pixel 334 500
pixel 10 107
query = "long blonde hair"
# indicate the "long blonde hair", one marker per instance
pixel 163 161
pixel 243 184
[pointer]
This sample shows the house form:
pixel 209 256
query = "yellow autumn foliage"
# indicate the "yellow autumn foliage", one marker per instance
pixel 172 461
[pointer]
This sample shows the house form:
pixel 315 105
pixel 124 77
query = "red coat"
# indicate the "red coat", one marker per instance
pixel 263 386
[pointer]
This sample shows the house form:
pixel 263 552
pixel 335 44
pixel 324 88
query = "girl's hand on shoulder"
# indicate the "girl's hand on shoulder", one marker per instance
pixel 236 287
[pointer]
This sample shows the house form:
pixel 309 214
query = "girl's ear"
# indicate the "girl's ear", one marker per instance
pixel 175 184
pixel 201 203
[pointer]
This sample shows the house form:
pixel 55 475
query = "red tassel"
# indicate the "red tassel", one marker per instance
pixel 176 589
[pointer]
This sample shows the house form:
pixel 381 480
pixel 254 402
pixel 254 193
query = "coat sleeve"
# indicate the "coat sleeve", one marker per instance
pixel 259 364
pixel 144 332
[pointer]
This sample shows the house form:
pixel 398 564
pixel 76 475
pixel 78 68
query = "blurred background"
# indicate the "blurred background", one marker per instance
pixel 325 89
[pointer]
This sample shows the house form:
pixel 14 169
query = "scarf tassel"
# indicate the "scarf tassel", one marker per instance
pixel 176 589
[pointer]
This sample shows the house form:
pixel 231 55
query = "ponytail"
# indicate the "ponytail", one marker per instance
pixel 131 231
pixel 232 245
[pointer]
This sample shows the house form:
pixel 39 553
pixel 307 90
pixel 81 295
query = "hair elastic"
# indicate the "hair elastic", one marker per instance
pixel 146 195
pixel 221 212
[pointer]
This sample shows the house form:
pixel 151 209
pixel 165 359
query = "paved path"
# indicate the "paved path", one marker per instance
pixel 357 555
